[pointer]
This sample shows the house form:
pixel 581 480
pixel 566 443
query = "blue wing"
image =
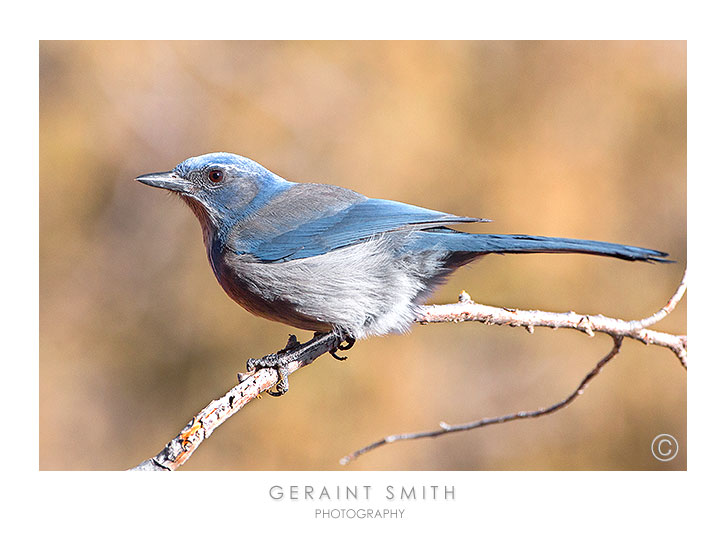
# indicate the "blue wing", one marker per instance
pixel 354 223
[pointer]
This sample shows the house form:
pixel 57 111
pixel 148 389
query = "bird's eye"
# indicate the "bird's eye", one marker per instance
pixel 215 176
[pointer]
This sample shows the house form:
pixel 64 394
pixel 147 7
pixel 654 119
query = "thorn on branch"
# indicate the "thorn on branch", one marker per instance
pixel 585 325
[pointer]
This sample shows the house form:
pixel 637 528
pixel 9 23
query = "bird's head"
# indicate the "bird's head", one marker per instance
pixel 221 188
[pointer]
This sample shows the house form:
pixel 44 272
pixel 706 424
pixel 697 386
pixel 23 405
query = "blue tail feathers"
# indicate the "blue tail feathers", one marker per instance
pixel 461 242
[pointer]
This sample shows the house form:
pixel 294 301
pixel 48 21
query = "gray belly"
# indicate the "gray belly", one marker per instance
pixel 365 289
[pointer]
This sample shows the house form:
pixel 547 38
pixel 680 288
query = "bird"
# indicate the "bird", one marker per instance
pixel 328 259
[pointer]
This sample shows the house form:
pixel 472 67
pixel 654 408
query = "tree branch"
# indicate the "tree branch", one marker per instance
pixel 444 428
pixel 467 310
pixel 251 385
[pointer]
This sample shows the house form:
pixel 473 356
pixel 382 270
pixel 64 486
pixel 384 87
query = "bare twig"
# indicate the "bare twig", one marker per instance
pixel 667 309
pixel 444 428
pixel 179 450
pixel 251 385
pixel 467 310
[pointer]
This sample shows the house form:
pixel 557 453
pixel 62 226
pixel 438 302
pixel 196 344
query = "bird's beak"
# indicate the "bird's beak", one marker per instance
pixel 165 180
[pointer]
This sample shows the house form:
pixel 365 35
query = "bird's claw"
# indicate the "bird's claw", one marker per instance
pixel 349 342
pixel 273 361
pixel 332 352
pixel 281 388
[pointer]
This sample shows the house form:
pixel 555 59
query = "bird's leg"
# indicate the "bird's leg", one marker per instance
pixel 295 351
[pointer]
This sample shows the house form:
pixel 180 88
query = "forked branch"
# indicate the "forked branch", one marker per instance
pixel 251 385
pixel 466 310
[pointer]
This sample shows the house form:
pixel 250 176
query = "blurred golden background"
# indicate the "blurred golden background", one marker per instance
pixel 571 139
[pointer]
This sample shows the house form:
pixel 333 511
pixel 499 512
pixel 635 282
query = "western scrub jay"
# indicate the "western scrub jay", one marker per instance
pixel 324 258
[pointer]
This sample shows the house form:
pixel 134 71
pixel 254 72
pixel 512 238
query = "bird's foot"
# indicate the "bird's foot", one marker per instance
pixel 294 351
pixel 349 342
pixel 277 361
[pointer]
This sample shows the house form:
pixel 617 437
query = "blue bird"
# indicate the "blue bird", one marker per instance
pixel 324 258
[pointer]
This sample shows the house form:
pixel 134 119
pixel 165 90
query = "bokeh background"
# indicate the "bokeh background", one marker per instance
pixel 576 139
